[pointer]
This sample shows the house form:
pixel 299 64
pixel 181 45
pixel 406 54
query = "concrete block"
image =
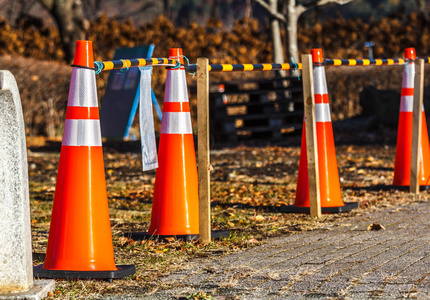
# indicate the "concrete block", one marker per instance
pixel 39 290
pixel 16 267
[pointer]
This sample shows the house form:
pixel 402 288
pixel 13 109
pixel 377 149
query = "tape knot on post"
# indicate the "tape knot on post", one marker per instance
pixel 194 73
pixel 407 62
pixel 188 64
pixel 296 67
pixel 99 66
pixel 124 69
pixel 178 63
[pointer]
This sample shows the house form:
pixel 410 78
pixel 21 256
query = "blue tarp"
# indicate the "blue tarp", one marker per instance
pixel 121 99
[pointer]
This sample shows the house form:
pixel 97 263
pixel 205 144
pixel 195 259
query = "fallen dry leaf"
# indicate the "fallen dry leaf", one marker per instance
pixel 375 226
pixel 122 240
pixel 259 218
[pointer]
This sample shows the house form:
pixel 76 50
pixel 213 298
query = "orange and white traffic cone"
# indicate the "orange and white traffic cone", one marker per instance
pixel 80 239
pixel 175 208
pixel 331 200
pixel 402 166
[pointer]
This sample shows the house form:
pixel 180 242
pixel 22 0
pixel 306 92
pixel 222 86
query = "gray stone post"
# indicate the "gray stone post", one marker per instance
pixel 16 266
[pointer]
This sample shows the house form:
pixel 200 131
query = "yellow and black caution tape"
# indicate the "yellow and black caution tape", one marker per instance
pixel 141 62
pixel 364 62
pixel 135 62
pixel 246 67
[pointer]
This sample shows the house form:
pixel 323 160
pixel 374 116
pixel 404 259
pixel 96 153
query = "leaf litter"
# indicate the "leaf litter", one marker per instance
pixel 248 186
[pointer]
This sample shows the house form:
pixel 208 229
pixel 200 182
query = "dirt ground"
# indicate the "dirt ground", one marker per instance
pixel 249 185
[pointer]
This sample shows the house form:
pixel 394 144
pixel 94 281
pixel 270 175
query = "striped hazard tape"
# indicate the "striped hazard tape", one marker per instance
pixel 191 68
pixel 364 62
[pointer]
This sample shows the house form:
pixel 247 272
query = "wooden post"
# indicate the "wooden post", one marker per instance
pixel 203 150
pixel 416 126
pixel 311 138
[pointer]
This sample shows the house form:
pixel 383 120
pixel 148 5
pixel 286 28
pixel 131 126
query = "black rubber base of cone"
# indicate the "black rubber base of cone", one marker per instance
pixel 122 272
pixel 139 236
pixel 325 210
pixel 406 187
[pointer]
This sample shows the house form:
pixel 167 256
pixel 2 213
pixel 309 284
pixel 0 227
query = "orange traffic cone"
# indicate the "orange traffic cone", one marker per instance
pixel 175 209
pixel 80 241
pixel 331 200
pixel 402 166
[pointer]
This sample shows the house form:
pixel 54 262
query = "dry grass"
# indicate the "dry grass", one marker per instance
pixel 248 186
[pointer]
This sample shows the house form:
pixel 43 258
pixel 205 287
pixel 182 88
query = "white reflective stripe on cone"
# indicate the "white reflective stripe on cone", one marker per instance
pixel 407 104
pixel 320 83
pixel 408 76
pixel 83 89
pixel 82 133
pixel 176 122
pixel 322 112
pixel 176 86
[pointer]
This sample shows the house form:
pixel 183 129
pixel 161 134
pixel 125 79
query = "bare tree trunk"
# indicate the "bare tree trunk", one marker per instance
pixel 293 18
pixel 277 49
pixel 68 14
pixel 278 56
pixel 248 11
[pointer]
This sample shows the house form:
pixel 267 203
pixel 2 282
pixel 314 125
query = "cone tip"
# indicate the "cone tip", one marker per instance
pixel 84 54
pixel 410 53
pixel 176 53
pixel 317 56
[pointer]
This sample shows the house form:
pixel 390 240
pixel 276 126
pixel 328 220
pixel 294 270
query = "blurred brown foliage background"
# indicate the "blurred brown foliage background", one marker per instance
pixel 32 52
